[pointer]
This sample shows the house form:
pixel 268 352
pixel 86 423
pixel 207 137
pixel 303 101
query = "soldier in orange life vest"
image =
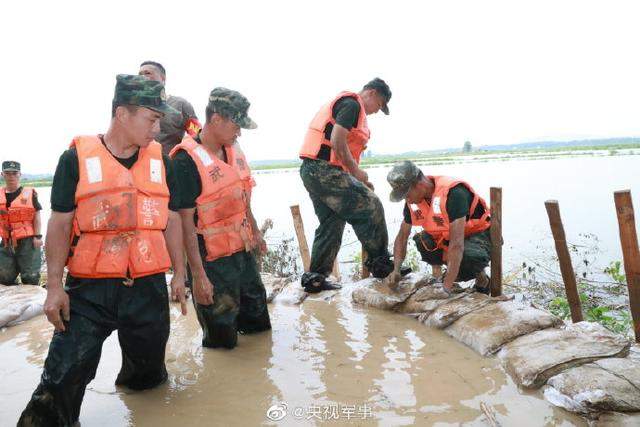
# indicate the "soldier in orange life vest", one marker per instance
pixel 455 223
pixel 340 191
pixel 218 224
pixel 115 196
pixel 20 238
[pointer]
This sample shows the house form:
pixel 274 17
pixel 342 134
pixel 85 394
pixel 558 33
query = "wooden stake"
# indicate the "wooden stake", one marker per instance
pixel 568 275
pixel 630 253
pixel 336 269
pixel 302 239
pixel 365 270
pixel 496 241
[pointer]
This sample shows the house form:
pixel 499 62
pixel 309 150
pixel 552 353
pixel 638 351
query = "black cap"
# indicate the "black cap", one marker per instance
pixel 10 166
pixel 383 90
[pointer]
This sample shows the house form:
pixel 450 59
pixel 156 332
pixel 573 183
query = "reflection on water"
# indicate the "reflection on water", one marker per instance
pixel 324 359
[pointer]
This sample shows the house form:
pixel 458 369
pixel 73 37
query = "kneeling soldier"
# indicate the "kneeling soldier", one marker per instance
pixel 455 222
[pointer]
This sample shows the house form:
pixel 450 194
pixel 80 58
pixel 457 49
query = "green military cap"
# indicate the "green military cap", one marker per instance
pixel 10 166
pixel 401 177
pixel 232 105
pixel 137 90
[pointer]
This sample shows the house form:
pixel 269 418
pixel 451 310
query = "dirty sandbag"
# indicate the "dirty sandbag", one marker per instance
pixel 611 384
pixel 489 328
pixel 425 299
pixel 283 290
pixel 454 309
pixel 617 419
pixel 20 303
pixel 376 293
pixel 533 359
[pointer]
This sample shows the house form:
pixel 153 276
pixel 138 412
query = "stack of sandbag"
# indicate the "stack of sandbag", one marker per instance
pixel 534 358
pixel 376 293
pixel 20 303
pixel 487 329
pixel 611 384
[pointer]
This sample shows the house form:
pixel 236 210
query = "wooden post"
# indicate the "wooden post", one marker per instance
pixel 365 270
pixel 568 275
pixel 336 269
pixel 302 240
pixel 630 253
pixel 496 241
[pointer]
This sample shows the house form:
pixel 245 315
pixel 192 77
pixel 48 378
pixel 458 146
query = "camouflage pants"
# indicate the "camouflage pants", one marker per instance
pixel 24 260
pixel 476 255
pixel 140 314
pixel 240 301
pixel 338 198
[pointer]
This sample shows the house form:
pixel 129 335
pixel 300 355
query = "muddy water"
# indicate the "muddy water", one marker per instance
pixel 328 361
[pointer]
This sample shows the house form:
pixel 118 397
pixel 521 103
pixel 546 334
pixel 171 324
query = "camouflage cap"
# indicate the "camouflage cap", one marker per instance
pixel 10 166
pixel 232 105
pixel 137 90
pixel 401 177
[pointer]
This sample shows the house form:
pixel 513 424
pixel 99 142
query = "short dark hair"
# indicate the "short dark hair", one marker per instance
pixel 130 108
pixel 208 112
pixel 157 65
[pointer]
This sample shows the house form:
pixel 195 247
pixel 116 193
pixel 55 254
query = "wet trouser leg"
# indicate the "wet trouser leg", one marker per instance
pixel 349 200
pixel 70 365
pixel 29 261
pixel 475 258
pixel 8 266
pixel 143 331
pixel 240 303
pixel 98 306
pixel 328 238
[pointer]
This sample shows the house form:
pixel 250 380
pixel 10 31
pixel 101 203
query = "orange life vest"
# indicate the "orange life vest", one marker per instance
pixel 433 218
pixel 223 204
pixel 357 137
pixel 120 213
pixel 16 221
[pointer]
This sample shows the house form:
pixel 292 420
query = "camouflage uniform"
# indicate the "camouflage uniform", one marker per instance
pixel 338 198
pixel 475 258
pixel 240 300
pixel 24 260
pixel 98 306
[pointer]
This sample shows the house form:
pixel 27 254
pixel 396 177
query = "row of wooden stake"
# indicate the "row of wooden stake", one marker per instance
pixel 628 239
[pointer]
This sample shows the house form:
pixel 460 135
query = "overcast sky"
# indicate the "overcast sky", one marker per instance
pixel 492 72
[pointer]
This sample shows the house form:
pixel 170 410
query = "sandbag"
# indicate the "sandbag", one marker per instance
pixel 533 359
pixel 605 385
pixel 20 303
pixel 489 328
pixel 424 300
pixel 376 293
pixel 283 290
pixel 617 419
pixel 455 308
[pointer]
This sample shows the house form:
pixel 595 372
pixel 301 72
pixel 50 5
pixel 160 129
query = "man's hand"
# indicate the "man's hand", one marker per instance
pixel 37 242
pixel 363 177
pixel 393 279
pixel 56 307
pixel 202 290
pixel 178 292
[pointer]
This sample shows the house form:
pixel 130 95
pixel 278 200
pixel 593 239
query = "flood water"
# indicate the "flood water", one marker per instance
pixel 330 362
pixel 583 186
